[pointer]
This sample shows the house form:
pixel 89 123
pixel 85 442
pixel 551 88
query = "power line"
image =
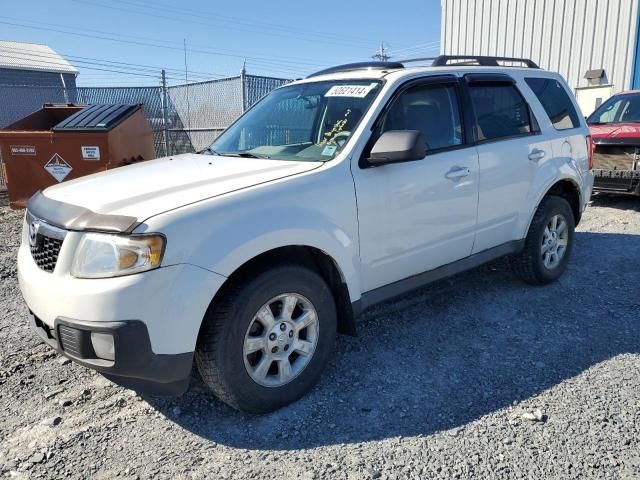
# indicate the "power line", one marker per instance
pixel 122 41
pixel 65 64
pixel 190 20
pixel 238 53
pixel 423 46
pixel 243 21
pixel 26 54
pixel 109 36
pixel 107 68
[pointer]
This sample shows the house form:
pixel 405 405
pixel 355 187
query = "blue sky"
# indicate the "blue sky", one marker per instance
pixel 277 38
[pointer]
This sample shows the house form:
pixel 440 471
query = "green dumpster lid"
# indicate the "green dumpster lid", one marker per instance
pixel 96 118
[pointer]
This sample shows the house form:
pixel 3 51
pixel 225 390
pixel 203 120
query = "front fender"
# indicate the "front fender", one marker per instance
pixel 292 226
pixel 317 209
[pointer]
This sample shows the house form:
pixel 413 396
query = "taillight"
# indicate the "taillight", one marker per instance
pixel 591 148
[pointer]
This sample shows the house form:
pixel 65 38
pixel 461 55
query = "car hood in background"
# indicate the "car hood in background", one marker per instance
pixel 148 188
pixel 615 131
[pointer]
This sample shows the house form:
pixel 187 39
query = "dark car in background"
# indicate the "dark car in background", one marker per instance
pixel 615 131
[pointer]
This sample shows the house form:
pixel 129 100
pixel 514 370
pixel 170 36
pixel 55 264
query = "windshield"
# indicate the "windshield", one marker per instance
pixel 309 121
pixel 619 109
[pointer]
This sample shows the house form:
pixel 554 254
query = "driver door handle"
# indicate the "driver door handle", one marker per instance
pixel 457 172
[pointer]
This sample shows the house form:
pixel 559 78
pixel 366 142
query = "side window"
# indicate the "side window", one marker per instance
pixel 500 110
pixel 432 109
pixel 608 112
pixel 631 111
pixel 555 101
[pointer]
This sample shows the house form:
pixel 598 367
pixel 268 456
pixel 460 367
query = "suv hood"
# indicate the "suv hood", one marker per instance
pixel 148 188
pixel 615 131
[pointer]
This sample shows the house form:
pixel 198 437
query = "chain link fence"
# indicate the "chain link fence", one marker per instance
pixel 184 118
pixel 199 112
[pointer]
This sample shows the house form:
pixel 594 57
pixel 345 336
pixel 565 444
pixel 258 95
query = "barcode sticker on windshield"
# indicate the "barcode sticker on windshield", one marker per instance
pixel 329 150
pixel 359 91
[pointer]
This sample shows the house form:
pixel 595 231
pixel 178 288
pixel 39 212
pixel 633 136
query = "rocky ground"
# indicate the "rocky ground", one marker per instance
pixel 478 376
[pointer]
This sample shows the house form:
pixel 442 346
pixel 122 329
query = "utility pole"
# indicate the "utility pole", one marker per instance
pixel 243 86
pixel 186 88
pixel 165 113
pixel 381 54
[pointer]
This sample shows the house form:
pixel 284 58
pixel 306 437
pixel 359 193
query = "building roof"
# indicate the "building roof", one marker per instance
pixel 33 57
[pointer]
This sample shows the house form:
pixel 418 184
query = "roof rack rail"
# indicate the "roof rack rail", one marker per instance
pixel 444 60
pixel 349 67
pixel 421 59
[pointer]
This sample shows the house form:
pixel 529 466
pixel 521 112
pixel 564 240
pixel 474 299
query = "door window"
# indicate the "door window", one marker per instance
pixel 500 111
pixel 431 109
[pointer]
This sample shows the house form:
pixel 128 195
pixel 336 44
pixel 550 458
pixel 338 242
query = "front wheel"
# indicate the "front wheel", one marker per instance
pixel 548 244
pixel 265 343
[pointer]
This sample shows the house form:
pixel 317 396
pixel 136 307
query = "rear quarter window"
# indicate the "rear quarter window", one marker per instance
pixel 556 102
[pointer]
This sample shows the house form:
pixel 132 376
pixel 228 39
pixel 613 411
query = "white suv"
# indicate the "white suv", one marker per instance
pixel 333 193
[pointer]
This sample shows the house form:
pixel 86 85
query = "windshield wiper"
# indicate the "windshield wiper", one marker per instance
pixel 242 155
pixel 209 151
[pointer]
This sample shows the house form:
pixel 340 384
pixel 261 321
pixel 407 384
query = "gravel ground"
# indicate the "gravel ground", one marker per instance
pixel 478 376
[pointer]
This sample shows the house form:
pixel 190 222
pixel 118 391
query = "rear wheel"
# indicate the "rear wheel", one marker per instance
pixel 265 343
pixel 548 244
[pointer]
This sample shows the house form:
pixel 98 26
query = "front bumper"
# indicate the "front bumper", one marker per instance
pixel 135 365
pixel 154 317
pixel 171 301
pixel 617 181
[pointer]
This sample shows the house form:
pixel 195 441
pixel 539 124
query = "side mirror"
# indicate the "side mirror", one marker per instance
pixel 397 146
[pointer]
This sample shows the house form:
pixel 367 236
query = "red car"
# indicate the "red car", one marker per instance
pixel 615 131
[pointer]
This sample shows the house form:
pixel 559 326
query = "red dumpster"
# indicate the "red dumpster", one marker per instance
pixel 63 142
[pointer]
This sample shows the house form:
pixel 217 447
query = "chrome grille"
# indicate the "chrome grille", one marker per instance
pixel 45 242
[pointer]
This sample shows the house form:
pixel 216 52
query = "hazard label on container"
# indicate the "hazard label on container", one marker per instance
pixel 57 167
pixel 90 153
pixel 23 150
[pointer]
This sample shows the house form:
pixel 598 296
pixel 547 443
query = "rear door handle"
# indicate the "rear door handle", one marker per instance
pixel 457 172
pixel 536 155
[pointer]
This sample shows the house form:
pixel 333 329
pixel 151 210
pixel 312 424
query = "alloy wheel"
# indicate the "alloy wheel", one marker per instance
pixel 555 239
pixel 281 340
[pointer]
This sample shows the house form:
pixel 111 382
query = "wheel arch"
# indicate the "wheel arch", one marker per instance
pixel 307 256
pixel 566 188
pixel 570 191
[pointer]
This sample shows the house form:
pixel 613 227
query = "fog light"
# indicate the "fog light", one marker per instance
pixel 103 345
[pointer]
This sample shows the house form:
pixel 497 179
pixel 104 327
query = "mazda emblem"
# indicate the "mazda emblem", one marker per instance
pixel 33 233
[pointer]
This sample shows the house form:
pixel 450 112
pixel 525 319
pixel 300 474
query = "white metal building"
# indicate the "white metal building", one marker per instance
pixel 30 75
pixel 592 43
pixel 34 64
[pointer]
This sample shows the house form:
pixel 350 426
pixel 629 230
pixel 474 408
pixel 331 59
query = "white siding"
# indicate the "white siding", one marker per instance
pixel 567 36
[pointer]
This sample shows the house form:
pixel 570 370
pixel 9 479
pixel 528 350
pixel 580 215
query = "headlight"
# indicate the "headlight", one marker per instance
pixel 101 255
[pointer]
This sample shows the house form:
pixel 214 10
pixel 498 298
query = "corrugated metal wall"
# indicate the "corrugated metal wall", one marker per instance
pixel 567 36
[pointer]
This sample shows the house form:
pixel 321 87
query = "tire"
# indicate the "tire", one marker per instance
pixel 238 317
pixel 530 264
